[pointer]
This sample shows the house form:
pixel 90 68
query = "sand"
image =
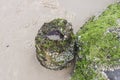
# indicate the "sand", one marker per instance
pixel 19 23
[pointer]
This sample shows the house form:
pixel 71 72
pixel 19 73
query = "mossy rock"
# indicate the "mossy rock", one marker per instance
pixel 55 44
pixel 99 45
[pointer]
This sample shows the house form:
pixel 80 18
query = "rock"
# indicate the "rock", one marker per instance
pixel 113 75
pixel 55 44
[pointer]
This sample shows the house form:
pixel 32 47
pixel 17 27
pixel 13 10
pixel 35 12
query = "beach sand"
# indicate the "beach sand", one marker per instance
pixel 19 23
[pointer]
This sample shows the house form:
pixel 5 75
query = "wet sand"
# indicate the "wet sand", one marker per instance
pixel 19 23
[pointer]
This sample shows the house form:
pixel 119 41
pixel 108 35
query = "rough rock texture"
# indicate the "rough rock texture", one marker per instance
pixel 99 46
pixel 113 75
pixel 55 44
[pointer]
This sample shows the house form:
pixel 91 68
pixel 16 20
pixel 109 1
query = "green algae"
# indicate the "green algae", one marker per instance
pixel 99 50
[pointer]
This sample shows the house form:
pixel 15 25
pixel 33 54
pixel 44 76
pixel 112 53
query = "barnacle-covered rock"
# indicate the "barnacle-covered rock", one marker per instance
pixel 55 44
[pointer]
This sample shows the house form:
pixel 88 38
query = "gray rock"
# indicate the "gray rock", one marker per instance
pixel 113 75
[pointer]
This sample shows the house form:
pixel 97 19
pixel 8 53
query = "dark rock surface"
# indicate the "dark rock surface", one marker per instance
pixel 113 75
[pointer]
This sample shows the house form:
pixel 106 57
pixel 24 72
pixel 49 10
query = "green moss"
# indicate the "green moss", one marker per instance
pixel 98 49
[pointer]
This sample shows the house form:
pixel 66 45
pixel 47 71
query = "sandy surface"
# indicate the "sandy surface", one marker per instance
pixel 19 23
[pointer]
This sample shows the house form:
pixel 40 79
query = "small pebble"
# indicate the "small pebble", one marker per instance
pixel 8 46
